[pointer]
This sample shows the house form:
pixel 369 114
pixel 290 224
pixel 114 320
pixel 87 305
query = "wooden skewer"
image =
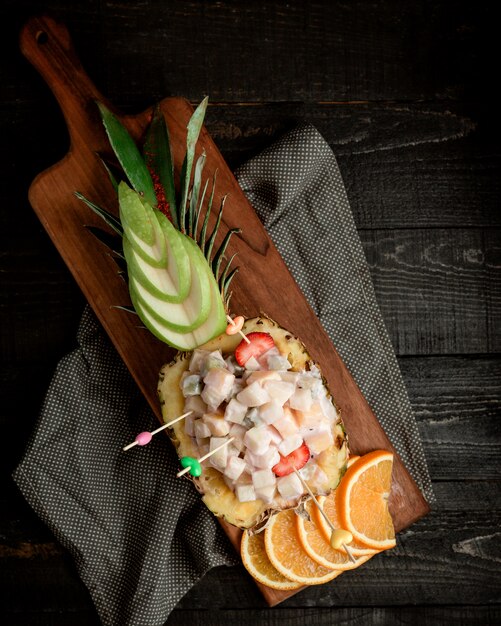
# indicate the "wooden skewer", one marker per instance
pixel 234 328
pixel 145 437
pixel 324 514
pixel 205 456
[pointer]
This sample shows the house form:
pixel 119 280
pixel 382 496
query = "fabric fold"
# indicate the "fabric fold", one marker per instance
pixel 141 537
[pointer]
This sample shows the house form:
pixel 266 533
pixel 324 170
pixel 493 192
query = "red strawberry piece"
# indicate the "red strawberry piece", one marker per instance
pixel 296 459
pixel 259 344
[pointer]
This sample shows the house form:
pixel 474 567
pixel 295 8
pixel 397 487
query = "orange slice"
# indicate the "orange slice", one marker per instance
pixel 257 563
pixel 328 504
pixel 352 460
pixel 362 500
pixel 288 557
pixel 318 548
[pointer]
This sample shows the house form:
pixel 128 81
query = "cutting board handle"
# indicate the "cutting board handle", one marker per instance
pixel 48 46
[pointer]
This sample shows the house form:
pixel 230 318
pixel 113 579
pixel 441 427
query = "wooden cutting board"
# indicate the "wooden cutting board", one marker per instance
pixel 263 285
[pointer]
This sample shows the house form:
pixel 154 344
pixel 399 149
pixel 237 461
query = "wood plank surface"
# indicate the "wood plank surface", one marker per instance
pixel 402 92
pixel 263 286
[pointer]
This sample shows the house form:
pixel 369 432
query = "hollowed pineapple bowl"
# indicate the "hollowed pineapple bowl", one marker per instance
pixel 285 401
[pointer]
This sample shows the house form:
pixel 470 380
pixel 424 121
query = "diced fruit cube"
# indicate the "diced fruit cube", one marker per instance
pixel 270 412
pixel 289 444
pixel 218 426
pixel 250 460
pixel 301 400
pixel 253 395
pixel 257 439
pixel 279 390
pixel 287 425
pixel 218 384
pixel 203 448
pixel 214 360
pixel 276 437
pixel 278 363
pixel 266 494
pixel 263 478
pixel 263 359
pixel 191 385
pixel 233 366
pixel 235 411
pixel 309 380
pixel 234 450
pixel 289 487
pixel 238 431
pixel 252 418
pixel 220 379
pixel 289 377
pixel 189 426
pixel 238 445
pixel 234 467
pixel 319 440
pixel 252 365
pixel 197 358
pixel 220 458
pixel 318 479
pixel 201 429
pixel 328 409
pixel 262 376
pixel 266 460
pixel 311 417
pixel 195 404
pixel 237 387
pixel 245 493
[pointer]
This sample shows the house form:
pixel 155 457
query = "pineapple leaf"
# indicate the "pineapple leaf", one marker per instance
pixel 127 309
pixel 158 157
pixel 195 194
pixel 199 210
pixel 203 231
pixel 110 241
pixel 194 128
pixel 224 273
pixel 108 217
pixel 128 155
pixel 226 286
pixel 228 280
pixel 219 256
pixel 210 242
pixel 111 176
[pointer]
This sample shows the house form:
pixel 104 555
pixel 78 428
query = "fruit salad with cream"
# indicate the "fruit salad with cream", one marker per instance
pixel 276 418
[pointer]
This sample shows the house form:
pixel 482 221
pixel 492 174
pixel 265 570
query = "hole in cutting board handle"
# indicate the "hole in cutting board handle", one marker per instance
pixel 41 37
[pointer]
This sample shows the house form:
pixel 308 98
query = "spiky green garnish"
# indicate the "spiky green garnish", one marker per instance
pixel 178 284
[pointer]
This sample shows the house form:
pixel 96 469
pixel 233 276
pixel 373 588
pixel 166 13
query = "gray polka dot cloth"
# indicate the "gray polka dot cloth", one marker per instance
pixel 141 537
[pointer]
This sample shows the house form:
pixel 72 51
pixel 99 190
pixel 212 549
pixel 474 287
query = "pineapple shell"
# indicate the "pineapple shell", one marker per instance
pixel 217 496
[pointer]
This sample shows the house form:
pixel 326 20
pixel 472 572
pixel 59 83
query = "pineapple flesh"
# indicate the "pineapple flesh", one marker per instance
pixel 217 496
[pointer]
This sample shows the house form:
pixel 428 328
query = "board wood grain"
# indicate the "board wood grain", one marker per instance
pixel 263 285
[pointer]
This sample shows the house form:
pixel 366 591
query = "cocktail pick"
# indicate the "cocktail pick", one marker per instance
pixel 235 326
pixel 194 466
pixel 339 537
pixel 145 437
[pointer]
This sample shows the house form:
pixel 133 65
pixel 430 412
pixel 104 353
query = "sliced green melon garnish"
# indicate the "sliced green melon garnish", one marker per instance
pixel 170 282
pixel 215 322
pixel 185 316
pixel 141 227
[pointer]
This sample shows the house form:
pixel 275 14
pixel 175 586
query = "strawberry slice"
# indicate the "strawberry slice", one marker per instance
pixel 259 344
pixel 296 459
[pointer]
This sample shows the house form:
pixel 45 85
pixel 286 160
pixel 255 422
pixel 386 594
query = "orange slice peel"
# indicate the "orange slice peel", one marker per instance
pixel 362 500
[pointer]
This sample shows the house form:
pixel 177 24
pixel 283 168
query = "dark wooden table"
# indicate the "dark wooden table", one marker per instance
pixel 403 92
